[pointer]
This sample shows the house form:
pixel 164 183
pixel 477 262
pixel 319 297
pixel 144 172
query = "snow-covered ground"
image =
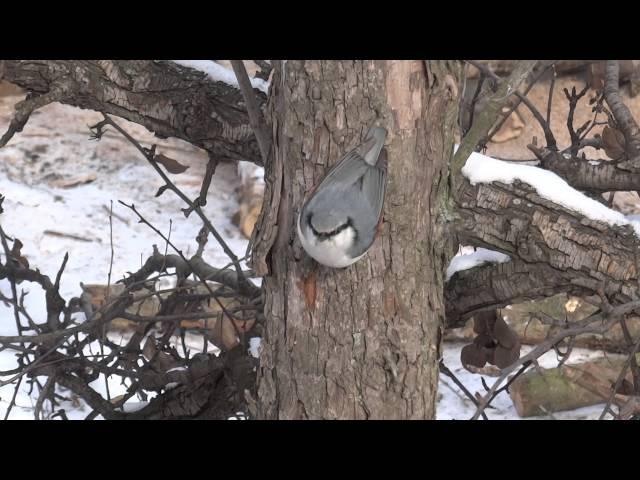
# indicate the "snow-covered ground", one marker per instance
pixel 54 149
pixel 454 405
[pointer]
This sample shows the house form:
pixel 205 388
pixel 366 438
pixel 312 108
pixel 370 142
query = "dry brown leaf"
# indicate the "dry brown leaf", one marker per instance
pixel 16 254
pixel 505 334
pixel 613 142
pixel 503 357
pixel 472 355
pixel 171 165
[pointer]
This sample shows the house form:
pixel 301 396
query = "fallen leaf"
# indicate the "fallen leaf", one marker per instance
pixel 171 165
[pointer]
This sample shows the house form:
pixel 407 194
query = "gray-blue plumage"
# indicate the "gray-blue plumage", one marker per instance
pixel 350 195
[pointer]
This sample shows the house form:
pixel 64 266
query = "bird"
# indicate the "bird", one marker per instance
pixel 340 220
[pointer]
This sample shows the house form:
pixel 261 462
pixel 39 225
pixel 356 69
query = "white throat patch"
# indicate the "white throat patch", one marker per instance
pixel 331 252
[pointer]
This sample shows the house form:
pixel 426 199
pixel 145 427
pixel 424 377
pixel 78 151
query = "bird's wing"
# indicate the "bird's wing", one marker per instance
pixel 374 183
pixel 346 172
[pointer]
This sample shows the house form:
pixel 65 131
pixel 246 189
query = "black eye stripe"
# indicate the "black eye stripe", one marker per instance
pixel 327 235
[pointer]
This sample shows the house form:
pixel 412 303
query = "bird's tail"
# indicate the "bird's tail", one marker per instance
pixel 373 143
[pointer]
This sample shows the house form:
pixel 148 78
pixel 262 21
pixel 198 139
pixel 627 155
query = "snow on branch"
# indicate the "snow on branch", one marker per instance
pixel 218 73
pixel 465 261
pixel 483 169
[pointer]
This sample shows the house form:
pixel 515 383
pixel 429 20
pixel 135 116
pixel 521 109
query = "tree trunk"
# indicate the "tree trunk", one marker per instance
pixel 361 342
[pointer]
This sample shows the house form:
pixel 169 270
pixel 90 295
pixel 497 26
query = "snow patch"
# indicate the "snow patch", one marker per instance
pixel 483 169
pixel 218 73
pixel 466 261
pixel 254 346
pixel 248 171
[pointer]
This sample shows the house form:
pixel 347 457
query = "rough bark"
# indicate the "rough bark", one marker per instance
pixel 556 244
pixel 497 285
pixel 367 345
pixel 598 177
pixel 624 119
pixel 361 342
pixel 168 99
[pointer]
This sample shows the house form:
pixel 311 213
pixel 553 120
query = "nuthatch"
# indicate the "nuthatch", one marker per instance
pixel 339 221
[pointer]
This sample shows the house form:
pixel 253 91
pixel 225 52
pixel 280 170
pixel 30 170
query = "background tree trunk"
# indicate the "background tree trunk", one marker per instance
pixel 362 342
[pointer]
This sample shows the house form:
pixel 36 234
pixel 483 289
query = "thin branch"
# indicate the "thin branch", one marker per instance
pixel 623 116
pixel 445 370
pixel 635 371
pixel 25 108
pixel 256 119
pixel 573 99
pixel 12 281
pixel 619 380
pixel 210 170
pixel 549 138
pixel 13 398
pixel 550 99
pixel 46 390
pixel 149 156
pixel 516 104
pixel 474 100
pixel 611 318
pixel 202 279
pixel 488 116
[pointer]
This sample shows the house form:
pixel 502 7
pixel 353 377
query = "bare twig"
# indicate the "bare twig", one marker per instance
pixel 47 390
pixel 549 138
pixel 515 105
pixel 573 99
pixel 635 371
pixel 13 398
pixel 551 88
pixel 12 281
pixel 256 119
pixel 609 318
pixel 206 181
pixel 623 373
pixel 149 156
pixel 25 108
pixel 193 270
pixel 446 371
pixel 623 117
pixel 488 116
pixel 474 100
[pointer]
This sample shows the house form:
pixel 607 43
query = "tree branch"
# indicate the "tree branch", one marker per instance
pixel 256 119
pixel 489 115
pixel 622 115
pixel 166 98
